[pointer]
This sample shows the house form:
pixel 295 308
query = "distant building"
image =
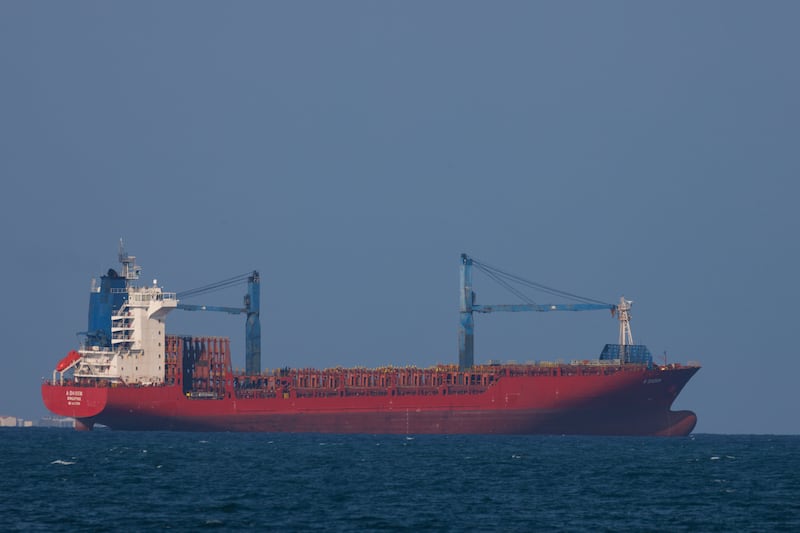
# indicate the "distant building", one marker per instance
pixel 56 422
pixel 45 422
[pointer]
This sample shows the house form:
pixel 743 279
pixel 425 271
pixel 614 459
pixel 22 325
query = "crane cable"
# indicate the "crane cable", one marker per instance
pixel 505 279
pixel 510 288
pixel 241 279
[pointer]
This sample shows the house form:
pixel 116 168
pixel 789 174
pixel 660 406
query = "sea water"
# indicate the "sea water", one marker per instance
pixel 61 480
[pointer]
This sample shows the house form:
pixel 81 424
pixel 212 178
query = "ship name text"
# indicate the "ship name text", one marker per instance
pixel 74 397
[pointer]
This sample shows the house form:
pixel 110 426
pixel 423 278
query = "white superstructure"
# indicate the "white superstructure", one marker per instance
pixel 137 335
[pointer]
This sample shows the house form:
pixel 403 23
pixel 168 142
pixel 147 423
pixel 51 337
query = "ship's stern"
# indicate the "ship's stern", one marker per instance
pixel 80 403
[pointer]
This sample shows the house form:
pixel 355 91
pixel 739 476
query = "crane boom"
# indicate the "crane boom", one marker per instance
pixel 231 310
pixel 466 329
pixel 516 308
pixel 252 307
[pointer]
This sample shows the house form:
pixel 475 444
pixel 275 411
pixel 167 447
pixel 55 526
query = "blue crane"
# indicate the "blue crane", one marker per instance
pixel 468 305
pixel 252 307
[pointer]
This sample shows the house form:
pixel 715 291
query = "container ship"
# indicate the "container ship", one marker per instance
pixel 129 374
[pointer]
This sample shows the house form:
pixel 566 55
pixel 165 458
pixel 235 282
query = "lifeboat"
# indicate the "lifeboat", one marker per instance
pixel 68 361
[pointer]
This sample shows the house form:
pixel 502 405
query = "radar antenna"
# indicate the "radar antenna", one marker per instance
pixel 130 270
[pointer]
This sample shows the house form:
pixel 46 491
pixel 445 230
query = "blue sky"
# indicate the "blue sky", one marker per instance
pixel 350 152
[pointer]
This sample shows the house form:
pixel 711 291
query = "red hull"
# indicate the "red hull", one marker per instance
pixel 634 401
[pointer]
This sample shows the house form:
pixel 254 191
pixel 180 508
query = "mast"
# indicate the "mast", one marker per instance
pixel 624 313
pixel 130 270
pixel 466 325
pixel 252 304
